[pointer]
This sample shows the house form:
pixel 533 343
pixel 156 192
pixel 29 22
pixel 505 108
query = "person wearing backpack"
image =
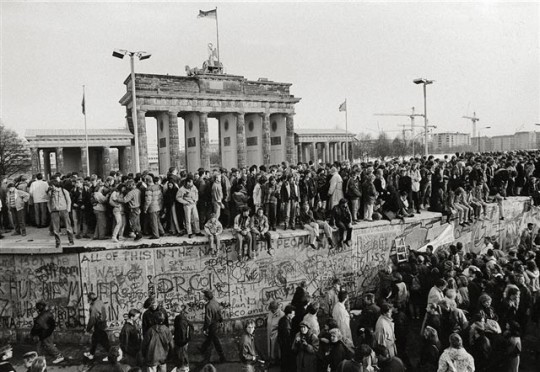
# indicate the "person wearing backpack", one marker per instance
pixel 183 332
pixel 98 324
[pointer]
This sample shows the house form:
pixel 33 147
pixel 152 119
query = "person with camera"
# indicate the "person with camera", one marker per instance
pixel 305 345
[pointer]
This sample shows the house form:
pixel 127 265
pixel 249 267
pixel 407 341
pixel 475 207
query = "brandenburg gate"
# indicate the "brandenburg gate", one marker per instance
pixel 255 118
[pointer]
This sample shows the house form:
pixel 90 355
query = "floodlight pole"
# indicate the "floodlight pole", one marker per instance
pixel 134 113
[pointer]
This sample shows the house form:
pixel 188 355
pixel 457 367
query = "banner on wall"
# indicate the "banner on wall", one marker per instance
pixel 446 237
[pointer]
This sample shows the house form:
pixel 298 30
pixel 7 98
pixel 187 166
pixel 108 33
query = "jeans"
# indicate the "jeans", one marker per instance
pixel 212 338
pixel 47 346
pixel 135 220
pixel 56 218
pixel 192 218
pixel 313 229
pixel 290 213
pixel 256 236
pixel 214 242
pixel 271 212
pixel 155 224
pixel 368 211
pixel 19 220
pixel 241 241
pixel 120 219
pixel 216 208
pixel 342 229
pixel 40 214
pixel 355 206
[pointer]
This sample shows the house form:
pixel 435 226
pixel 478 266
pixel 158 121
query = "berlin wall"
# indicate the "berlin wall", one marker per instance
pixel 124 278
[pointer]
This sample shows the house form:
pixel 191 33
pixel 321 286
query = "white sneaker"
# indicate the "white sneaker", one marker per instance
pixel 106 359
pixel 60 359
pixel 88 355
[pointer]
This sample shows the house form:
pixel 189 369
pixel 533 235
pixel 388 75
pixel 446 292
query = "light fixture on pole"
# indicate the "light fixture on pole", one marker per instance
pixel 120 53
pixel 480 138
pixel 425 82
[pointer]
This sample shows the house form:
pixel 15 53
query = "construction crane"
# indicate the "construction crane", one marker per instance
pixel 412 115
pixel 474 119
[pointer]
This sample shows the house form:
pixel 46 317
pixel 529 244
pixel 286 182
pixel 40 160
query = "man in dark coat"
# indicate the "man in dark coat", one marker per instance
pixel 44 326
pixel 285 340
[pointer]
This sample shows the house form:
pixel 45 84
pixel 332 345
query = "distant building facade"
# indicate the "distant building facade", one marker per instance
pixel 450 141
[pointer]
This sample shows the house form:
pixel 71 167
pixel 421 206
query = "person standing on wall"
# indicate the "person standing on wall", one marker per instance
pixel 97 323
pixel 44 326
pixel 212 320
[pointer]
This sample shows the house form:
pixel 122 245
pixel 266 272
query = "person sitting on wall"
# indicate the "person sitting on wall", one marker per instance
pixel 341 217
pixel 213 229
pixel 242 232
pixel 259 230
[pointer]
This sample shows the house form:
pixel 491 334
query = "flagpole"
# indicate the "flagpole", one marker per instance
pixel 86 134
pixel 346 131
pixel 217 33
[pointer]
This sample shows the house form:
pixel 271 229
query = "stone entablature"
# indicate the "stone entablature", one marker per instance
pixel 52 138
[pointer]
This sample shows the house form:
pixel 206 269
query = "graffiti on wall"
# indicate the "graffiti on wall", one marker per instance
pixel 26 279
pixel 123 279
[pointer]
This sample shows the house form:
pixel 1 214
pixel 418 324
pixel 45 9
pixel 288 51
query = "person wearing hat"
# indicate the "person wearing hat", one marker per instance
pixel 305 346
pixel 212 321
pixel 16 201
pixel 44 326
pixel 342 219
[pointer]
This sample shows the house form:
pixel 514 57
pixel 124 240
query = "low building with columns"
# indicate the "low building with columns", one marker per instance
pixel 323 145
pixel 255 119
pixel 68 149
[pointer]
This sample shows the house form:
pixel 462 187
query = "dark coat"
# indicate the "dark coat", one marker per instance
pixel 44 325
pixel 157 344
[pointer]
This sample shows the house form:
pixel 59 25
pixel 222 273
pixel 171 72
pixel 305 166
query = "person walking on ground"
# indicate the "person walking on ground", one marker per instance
pixel 130 338
pixel 306 346
pixel 59 205
pixel 157 344
pixel 341 315
pixel 248 352
pixel 44 326
pixel 183 333
pixel 456 358
pixel 384 330
pixel 285 340
pixel 212 321
pixel 149 317
pixel 98 324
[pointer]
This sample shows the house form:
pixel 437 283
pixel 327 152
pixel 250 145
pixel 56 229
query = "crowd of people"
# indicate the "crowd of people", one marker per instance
pixel 319 198
pixel 471 308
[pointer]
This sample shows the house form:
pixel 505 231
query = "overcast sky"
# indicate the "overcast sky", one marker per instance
pixel 484 57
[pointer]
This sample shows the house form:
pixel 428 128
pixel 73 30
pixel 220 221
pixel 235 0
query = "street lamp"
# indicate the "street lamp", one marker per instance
pixel 480 138
pixel 120 53
pixel 425 82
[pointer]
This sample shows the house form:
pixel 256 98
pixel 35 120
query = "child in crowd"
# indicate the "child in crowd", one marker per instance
pixel 213 229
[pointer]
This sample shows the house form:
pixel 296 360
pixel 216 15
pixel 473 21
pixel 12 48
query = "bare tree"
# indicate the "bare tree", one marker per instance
pixel 14 154
pixel 383 148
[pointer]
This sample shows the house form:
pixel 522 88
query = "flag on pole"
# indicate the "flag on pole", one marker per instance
pixel 207 13
pixel 83 104
pixel 343 106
